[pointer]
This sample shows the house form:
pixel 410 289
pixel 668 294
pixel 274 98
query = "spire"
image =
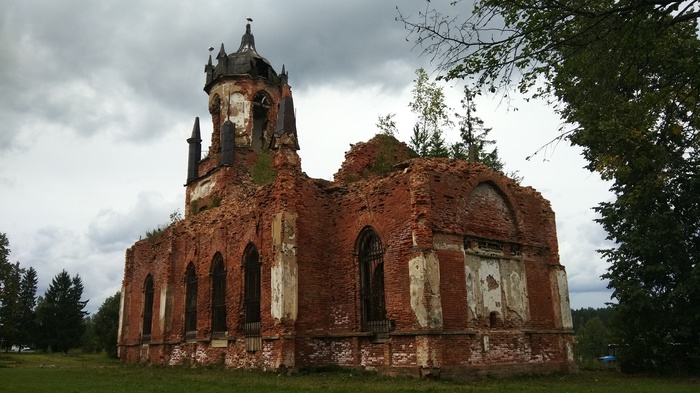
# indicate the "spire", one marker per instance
pixel 222 53
pixel 284 77
pixel 196 135
pixel 195 154
pixel 286 124
pixel 209 70
pixel 247 41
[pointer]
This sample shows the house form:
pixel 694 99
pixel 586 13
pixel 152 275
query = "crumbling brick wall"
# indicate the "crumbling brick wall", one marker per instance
pixel 438 220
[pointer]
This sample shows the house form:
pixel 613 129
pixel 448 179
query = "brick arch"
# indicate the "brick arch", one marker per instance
pixel 369 251
pixel 217 258
pixel 490 213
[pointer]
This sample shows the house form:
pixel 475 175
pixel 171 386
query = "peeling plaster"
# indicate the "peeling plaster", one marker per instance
pixel 424 273
pixel 284 278
pixel 163 302
pixel 203 189
pixel 563 286
pixel 496 285
pixel 489 278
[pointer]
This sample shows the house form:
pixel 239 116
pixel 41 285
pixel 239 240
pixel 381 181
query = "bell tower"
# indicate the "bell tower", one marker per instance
pixel 244 103
pixel 244 90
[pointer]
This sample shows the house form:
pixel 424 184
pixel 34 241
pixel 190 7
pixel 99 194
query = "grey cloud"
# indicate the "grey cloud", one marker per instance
pixel 115 231
pixel 125 66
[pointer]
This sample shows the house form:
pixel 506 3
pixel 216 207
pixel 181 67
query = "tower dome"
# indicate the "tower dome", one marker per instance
pixel 245 61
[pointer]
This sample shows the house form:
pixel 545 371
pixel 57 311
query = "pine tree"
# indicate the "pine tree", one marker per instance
pixel 60 314
pixel 27 303
pixel 475 144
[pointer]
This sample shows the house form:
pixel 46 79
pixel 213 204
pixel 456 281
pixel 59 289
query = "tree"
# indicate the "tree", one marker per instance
pixel 27 304
pixel 60 314
pixel 475 143
pixel 10 327
pixel 387 125
pixel 10 306
pixel 433 118
pixel 429 104
pixel 106 323
pixel 593 339
pixel 625 77
pixel 88 342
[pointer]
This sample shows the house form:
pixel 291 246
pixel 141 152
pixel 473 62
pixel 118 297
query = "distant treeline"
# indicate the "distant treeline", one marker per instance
pixel 583 315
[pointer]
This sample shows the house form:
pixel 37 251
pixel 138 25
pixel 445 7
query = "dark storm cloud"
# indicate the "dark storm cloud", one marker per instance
pixel 76 64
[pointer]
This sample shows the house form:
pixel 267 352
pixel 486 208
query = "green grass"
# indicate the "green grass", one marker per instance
pixel 92 373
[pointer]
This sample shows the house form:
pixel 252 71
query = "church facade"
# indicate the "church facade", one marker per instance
pixel 402 265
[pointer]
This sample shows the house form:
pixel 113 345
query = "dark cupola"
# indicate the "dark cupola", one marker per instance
pixel 245 61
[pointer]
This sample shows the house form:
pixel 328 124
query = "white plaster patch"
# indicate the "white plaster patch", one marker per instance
pixel 490 282
pixel 422 351
pixel 283 281
pixel 121 315
pixel 238 110
pixel 424 275
pixel 203 188
pixel 470 274
pixel 563 286
pixel 161 310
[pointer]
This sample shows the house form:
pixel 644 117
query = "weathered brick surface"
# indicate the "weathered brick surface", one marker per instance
pixel 470 263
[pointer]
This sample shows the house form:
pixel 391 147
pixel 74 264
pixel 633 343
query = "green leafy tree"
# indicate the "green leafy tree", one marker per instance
pixel 593 338
pixel 429 105
pixel 60 314
pixel 106 323
pixel 89 342
pixel 625 77
pixel 582 315
pixel 27 304
pixel 428 139
pixel 387 125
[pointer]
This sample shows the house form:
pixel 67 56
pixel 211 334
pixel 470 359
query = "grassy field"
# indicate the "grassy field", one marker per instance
pixel 92 373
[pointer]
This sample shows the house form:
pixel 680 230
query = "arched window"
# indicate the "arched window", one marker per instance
pixel 147 309
pixel 370 254
pixel 218 297
pixel 261 106
pixel 252 290
pixel 251 297
pixel 191 303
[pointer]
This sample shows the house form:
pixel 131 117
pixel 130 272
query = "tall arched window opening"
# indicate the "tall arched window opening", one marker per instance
pixel 218 297
pixel 191 303
pixel 370 254
pixel 251 298
pixel 147 309
pixel 261 107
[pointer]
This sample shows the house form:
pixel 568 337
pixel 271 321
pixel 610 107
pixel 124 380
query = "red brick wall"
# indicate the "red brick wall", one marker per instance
pixel 408 208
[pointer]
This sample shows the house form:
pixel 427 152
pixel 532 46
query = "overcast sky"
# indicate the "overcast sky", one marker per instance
pixel 97 99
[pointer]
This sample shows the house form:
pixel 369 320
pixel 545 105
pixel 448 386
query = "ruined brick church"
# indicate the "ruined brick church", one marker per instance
pixel 402 265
